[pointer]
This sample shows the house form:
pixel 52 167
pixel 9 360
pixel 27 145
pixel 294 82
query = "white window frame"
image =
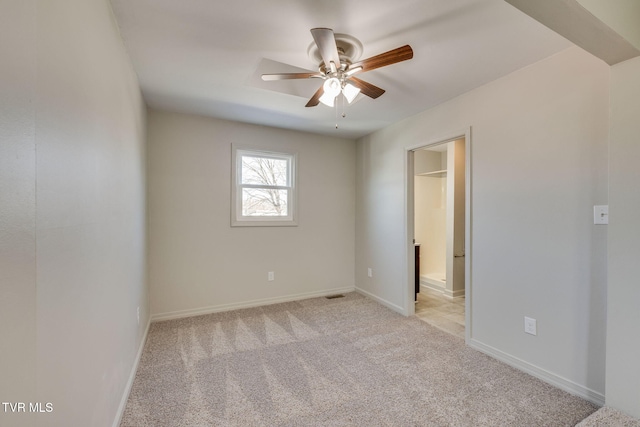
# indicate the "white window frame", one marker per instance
pixel 240 220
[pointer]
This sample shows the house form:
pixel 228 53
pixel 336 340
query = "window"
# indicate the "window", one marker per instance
pixel 264 188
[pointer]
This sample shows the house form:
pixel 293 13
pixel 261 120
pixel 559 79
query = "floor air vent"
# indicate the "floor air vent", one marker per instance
pixel 335 296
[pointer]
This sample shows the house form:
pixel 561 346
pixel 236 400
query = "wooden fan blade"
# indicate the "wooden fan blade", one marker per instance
pixel 326 43
pixel 288 76
pixel 368 89
pixel 315 99
pixel 391 57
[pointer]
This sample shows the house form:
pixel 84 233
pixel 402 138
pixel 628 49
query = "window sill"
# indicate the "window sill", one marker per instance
pixel 263 223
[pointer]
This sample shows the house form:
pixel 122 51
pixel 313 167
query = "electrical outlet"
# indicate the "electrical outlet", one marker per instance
pixel 271 276
pixel 369 272
pixel 138 314
pixel 530 326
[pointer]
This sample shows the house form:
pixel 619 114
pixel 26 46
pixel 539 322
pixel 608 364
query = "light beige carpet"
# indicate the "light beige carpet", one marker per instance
pixel 609 417
pixel 331 362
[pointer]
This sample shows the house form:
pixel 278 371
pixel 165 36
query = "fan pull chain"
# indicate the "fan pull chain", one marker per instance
pixel 335 107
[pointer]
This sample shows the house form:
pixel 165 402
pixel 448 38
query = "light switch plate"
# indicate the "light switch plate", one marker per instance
pixel 530 326
pixel 601 214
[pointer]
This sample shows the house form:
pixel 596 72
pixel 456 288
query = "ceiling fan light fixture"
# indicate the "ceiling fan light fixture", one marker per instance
pixel 332 87
pixel 336 55
pixel 327 99
pixel 350 92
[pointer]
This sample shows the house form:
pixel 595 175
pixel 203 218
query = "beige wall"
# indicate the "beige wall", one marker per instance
pixel 17 207
pixel 430 224
pixel 73 213
pixel 621 15
pixel 430 203
pixel 538 165
pixel 198 262
pixel 623 320
pixel 456 215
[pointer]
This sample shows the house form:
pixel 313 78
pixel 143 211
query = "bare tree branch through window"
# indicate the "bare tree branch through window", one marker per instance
pixel 264 188
pixel 265 181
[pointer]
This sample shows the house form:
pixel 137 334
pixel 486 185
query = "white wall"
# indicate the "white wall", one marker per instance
pixel 73 212
pixel 623 320
pixel 539 164
pixel 198 262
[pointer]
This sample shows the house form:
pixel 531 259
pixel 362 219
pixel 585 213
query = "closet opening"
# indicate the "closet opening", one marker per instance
pixel 438 222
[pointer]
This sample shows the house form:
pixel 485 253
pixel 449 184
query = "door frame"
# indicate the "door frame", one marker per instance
pixel 410 223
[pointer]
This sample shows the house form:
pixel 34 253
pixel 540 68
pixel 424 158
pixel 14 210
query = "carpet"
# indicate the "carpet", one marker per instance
pixel 331 362
pixel 609 417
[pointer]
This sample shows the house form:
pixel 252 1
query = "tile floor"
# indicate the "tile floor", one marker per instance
pixel 441 311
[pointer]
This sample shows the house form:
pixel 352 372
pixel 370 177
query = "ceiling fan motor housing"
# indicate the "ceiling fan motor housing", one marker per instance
pixel 349 50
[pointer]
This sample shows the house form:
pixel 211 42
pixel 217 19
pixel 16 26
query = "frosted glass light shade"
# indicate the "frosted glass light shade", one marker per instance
pixel 350 92
pixel 327 99
pixel 331 89
pixel 332 86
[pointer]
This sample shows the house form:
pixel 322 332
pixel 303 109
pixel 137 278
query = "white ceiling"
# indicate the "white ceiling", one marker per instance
pixel 202 56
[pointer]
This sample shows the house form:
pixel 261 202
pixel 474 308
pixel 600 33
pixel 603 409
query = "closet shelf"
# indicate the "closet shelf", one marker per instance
pixel 435 174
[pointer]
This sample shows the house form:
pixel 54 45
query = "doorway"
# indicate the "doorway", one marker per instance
pixel 438 225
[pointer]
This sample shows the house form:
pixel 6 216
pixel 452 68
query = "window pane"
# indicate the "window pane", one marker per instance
pixel 264 202
pixel 264 171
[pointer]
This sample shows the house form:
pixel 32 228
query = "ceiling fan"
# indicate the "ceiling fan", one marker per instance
pixel 337 55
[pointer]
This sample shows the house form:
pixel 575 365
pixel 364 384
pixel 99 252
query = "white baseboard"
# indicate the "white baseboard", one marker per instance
pixel 540 373
pixel 246 304
pixel 426 285
pixel 454 294
pixel 132 376
pixel 443 291
pixel 382 301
